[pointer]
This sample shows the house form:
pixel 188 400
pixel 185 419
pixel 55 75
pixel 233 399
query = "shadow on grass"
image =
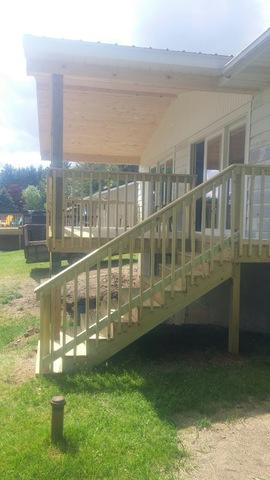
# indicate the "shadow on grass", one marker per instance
pixel 39 273
pixel 66 445
pixel 182 369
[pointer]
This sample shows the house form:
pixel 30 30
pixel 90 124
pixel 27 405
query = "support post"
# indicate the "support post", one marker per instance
pixel 234 321
pixel 57 161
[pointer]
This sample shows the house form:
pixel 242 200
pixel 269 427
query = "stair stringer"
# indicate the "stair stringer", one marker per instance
pixel 152 318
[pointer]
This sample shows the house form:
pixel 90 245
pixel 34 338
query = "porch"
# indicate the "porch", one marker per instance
pixel 99 206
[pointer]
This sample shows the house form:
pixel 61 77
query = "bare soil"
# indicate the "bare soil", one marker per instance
pixel 236 447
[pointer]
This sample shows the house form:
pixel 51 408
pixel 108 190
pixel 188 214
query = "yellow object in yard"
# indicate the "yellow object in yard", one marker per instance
pixel 9 220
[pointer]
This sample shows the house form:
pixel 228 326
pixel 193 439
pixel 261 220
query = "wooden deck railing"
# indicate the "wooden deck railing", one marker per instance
pixel 101 205
pixel 96 293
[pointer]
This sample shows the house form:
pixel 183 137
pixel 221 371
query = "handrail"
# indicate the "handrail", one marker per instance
pixel 138 176
pixel 137 228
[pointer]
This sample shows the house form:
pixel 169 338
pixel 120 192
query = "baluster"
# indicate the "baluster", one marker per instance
pixel 203 223
pixel 108 207
pixel 135 204
pixel 54 208
pixel 142 270
pixel 117 205
pixel 152 259
pixel 99 209
pixel 49 206
pixel 63 208
pixel 222 217
pixel 130 281
pixel 251 205
pixel 167 189
pixel 72 222
pixel 81 209
pixel 212 224
pixel 261 210
pixel 126 200
pixel 75 314
pixel 233 212
pixel 163 254
pixel 87 299
pixel 64 313
pixel 109 295
pixel 90 212
pixel 97 301
pixel 120 288
pixel 143 197
pixel 192 235
pixel 183 245
pixel 241 211
pixel 52 325
pixel 173 251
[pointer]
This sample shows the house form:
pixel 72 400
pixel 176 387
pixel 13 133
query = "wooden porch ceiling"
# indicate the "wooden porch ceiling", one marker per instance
pixel 102 123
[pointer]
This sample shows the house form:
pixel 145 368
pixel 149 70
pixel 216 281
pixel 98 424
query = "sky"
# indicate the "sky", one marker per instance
pixel 211 26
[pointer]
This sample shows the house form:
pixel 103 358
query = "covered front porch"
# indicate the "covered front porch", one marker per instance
pixel 100 105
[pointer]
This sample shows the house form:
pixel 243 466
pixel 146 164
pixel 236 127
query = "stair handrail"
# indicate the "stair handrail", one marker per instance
pixel 92 257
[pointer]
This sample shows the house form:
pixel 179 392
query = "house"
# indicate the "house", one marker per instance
pixel 198 128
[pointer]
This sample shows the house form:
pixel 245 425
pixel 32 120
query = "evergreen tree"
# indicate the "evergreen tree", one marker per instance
pixel 6 202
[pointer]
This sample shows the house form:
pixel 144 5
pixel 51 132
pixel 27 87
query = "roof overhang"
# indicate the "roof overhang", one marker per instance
pixel 250 68
pixel 115 96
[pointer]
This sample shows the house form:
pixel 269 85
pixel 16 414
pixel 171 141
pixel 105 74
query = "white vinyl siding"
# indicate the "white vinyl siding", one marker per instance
pixel 192 115
pixel 260 154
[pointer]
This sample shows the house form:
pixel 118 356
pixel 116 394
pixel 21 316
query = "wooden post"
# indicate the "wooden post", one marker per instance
pixel 57 159
pixel 45 330
pixel 236 213
pixel 234 321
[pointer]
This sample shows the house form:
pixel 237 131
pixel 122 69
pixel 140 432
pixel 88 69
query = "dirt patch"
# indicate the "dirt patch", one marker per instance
pixel 103 283
pixel 26 301
pixel 24 368
pixel 229 450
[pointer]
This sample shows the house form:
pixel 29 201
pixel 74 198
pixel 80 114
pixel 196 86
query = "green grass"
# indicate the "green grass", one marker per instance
pixel 121 419
pixel 7 295
pixel 10 329
pixel 13 265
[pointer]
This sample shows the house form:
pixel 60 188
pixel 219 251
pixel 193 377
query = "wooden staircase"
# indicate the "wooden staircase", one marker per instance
pixel 92 309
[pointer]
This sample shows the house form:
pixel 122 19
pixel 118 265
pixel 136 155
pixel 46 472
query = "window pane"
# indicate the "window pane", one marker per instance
pixel 237 145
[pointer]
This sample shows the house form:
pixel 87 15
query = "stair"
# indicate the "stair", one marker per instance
pixel 93 351
pixel 126 303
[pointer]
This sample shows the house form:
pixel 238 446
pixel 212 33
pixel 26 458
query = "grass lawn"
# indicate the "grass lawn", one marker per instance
pixel 120 419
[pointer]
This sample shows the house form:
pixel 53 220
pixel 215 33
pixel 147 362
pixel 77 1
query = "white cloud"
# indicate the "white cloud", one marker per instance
pixel 21 159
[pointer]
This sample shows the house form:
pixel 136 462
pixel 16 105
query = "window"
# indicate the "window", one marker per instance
pixel 237 138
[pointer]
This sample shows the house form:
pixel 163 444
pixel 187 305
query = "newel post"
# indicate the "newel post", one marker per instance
pixel 45 331
pixel 236 223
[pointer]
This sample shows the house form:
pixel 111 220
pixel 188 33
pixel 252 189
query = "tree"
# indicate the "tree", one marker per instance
pixel 6 203
pixel 15 180
pixel 32 198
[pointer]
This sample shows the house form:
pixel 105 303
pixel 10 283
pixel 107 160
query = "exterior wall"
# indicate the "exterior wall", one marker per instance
pixel 260 128
pixel 123 208
pixel 259 153
pixel 190 115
